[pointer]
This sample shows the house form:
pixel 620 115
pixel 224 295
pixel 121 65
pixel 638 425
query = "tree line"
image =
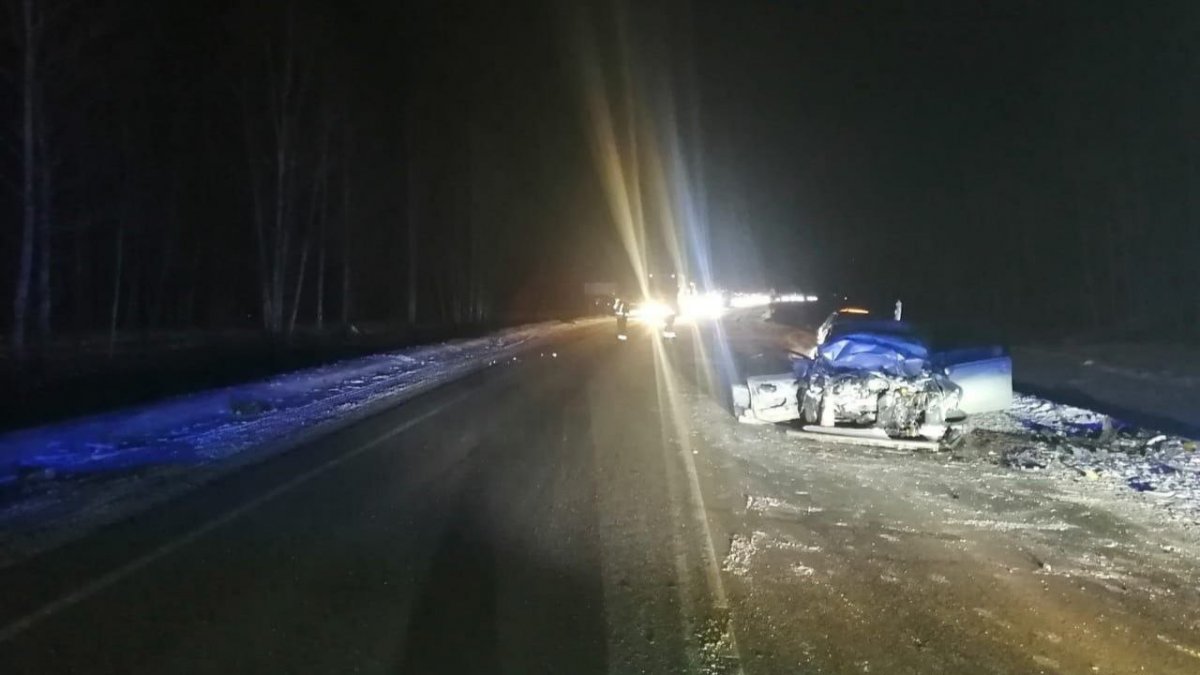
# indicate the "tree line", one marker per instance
pixel 272 164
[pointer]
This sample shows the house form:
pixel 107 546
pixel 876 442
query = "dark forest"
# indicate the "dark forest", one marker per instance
pixel 307 166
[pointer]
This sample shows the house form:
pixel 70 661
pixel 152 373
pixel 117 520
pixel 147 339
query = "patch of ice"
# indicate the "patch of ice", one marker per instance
pixel 802 570
pixel 789 544
pixel 775 506
pixel 1181 648
pixel 741 551
pixel 1010 526
pixel 1033 413
pixel 1046 662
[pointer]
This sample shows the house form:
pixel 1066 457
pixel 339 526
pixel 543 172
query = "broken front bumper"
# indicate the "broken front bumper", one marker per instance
pixel 903 407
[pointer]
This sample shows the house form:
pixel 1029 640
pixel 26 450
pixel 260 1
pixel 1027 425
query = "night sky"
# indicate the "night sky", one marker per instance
pixel 1032 163
pixel 1028 158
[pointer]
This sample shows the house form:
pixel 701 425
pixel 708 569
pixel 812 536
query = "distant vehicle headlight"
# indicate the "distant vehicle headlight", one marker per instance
pixel 651 310
pixel 706 305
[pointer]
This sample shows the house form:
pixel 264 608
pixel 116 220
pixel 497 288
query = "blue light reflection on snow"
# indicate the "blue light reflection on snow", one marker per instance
pixel 209 426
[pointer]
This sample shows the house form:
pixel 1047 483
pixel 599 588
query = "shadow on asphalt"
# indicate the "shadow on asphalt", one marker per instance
pixel 499 597
pixel 454 626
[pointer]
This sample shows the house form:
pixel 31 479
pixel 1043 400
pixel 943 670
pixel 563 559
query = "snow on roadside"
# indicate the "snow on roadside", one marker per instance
pixel 1079 443
pixel 743 550
pixel 1151 384
pixel 211 426
pixel 1038 414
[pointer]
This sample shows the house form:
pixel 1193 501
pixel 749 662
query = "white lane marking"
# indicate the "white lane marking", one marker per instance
pixel 109 579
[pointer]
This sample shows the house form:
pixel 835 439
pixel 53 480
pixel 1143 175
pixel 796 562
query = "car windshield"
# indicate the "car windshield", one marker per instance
pixel 868 324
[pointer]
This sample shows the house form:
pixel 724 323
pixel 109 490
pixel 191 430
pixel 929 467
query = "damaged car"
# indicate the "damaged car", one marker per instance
pixel 878 379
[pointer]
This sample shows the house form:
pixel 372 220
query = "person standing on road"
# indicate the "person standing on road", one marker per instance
pixel 622 320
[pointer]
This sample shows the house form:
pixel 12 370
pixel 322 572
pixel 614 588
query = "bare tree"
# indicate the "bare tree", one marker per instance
pixel 321 240
pixel 118 275
pixel 347 229
pixel 258 205
pixel 273 145
pixel 29 43
pixel 304 249
pixel 44 217
pixel 50 35
pixel 412 198
pixel 314 228
pixel 283 88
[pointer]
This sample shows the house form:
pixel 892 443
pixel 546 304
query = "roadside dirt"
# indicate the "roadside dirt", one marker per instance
pixel 846 559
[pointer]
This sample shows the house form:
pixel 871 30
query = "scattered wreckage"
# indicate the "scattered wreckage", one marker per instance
pixel 875 381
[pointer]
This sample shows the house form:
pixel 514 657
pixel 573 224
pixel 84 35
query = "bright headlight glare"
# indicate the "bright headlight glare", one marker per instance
pixel 651 310
pixel 705 305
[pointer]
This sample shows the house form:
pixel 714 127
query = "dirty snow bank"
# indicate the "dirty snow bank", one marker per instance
pixel 1151 385
pixel 210 426
pixel 1075 442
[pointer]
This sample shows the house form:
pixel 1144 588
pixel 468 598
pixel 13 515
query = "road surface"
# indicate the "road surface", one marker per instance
pixel 590 509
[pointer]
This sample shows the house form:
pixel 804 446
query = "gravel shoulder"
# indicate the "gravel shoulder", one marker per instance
pixel 850 559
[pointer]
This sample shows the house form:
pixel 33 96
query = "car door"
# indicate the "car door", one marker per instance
pixel 984 374
pixel 773 398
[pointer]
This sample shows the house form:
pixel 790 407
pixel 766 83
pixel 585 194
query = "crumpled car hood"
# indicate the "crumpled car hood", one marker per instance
pixel 896 355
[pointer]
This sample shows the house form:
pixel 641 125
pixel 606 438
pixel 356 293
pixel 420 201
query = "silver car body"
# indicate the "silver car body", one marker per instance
pixel 870 378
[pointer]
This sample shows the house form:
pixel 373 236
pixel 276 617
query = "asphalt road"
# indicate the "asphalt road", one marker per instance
pixel 590 508
pixel 516 521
